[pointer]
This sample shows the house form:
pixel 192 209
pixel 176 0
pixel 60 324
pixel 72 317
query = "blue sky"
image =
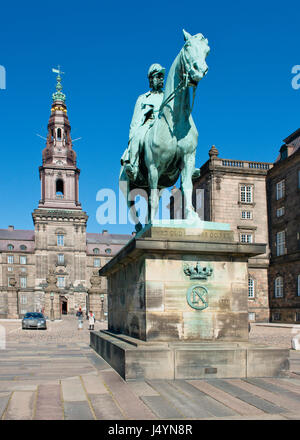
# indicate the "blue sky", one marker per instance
pixel 245 105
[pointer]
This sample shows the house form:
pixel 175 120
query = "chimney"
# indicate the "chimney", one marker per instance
pixel 104 232
pixel 11 228
pixel 133 233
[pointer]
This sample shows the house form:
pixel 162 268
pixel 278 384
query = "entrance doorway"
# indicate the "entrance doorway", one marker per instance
pixel 64 305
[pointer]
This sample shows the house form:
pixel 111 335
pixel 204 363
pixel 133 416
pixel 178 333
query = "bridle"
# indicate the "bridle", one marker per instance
pixel 182 85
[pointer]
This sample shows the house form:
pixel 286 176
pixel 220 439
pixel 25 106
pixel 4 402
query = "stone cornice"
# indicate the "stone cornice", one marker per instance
pixel 136 247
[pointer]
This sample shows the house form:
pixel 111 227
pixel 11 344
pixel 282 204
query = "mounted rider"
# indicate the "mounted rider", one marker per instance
pixel 145 112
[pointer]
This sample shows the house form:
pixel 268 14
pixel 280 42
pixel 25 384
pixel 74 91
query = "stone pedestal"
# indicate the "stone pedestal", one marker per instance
pixel 177 307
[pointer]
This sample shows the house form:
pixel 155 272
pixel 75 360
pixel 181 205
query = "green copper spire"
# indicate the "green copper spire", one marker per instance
pixel 58 96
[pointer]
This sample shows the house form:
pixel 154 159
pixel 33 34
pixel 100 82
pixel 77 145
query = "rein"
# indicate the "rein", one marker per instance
pixel 182 85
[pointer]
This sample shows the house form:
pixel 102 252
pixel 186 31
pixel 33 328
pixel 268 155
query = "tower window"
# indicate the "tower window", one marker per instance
pixel 59 189
pixel 60 240
pixel 59 133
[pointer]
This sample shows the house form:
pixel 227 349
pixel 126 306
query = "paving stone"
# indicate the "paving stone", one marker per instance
pixel 246 396
pixel 20 406
pixel 214 407
pixel 277 399
pixel 4 398
pixel 141 388
pixel 185 406
pixel 77 411
pixel 48 404
pixel 94 385
pixel 161 407
pixel 274 388
pixel 105 408
pixel 237 405
pixel 72 390
pixel 131 405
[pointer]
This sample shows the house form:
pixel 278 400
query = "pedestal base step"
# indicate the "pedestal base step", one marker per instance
pixel 139 360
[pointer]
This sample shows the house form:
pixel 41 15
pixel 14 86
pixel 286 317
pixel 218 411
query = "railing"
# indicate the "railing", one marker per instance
pixel 245 164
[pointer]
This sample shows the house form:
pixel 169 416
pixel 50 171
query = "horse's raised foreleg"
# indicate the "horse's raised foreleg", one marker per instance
pixel 153 190
pixel 187 185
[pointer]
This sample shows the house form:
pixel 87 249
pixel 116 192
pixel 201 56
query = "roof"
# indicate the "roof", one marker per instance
pixel 18 234
pixel 94 238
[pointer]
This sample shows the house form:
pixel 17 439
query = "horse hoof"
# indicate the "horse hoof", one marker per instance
pixel 138 227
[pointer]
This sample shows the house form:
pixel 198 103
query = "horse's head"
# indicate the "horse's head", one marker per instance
pixel 194 53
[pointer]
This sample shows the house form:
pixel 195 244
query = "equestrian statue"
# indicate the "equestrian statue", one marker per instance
pixel 163 137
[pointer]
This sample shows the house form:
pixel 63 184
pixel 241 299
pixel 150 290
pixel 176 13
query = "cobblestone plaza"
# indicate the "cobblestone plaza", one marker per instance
pixel 55 375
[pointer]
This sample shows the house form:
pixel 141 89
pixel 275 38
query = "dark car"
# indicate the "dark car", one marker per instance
pixel 34 320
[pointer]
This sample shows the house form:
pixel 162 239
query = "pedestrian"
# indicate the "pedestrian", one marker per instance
pixel 79 315
pixel 91 320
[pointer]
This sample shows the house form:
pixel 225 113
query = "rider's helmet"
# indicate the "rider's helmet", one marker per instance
pixel 155 68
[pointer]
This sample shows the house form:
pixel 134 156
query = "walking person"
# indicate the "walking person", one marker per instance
pixel 91 320
pixel 79 315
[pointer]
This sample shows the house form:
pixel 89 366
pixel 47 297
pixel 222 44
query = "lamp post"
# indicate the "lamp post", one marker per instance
pixel 52 310
pixel 102 308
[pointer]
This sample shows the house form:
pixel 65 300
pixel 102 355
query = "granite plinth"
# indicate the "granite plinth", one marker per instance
pixel 137 360
pixel 178 307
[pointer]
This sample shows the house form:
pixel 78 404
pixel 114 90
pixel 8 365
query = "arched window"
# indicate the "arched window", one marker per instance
pixel 96 251
pixel 278 287
pixel 10 247
pixel 251 288
pixel 60 239
pixel 23 247
pixel 59 190
pixel 108 251
pixel 59 133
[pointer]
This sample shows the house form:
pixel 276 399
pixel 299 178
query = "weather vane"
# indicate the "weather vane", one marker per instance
pixel 58 71
pixel 58 95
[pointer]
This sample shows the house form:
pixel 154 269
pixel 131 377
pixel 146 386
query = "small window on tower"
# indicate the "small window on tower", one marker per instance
pixel 59 189
pixel 59 133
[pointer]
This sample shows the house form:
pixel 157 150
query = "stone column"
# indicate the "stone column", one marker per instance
pixel 52 298
pixel 95 293
pixel 12 299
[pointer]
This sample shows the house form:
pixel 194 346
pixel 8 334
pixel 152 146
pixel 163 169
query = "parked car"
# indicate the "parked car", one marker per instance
pixel 34 320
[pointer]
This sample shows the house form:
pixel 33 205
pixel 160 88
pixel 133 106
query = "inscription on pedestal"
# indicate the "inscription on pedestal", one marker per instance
pixel 191 234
